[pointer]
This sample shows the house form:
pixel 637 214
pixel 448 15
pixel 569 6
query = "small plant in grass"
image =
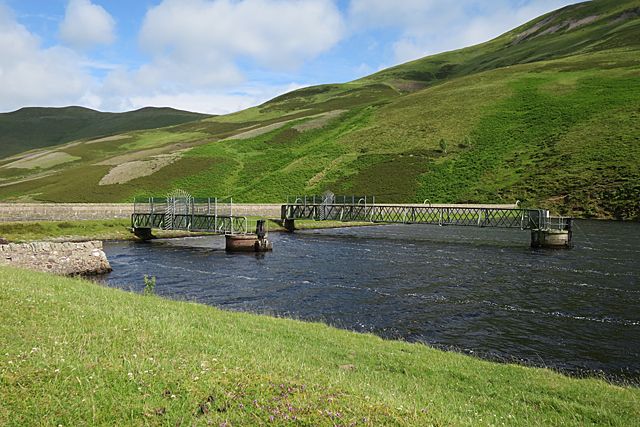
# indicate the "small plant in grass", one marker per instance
pixel 443 145
pixel 149 285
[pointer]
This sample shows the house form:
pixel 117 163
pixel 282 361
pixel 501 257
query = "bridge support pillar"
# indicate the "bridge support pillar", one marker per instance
pixel 143 233
pixel 289 224
pixel 246 243
pixel 548 238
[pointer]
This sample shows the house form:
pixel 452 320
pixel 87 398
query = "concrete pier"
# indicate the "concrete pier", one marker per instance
pixel 551 239
pixel 246 243
pixel 249 242
pixel 143 233
pixel 289 224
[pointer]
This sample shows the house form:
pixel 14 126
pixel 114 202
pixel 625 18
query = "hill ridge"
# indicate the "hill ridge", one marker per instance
pixel 23 129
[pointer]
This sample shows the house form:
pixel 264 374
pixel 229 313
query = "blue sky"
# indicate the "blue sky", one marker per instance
pixel 219 56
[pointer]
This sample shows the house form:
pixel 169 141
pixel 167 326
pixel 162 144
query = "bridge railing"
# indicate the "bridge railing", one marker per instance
pixel 191 222
pixel 440 215
pixel 208 206
pixel 557 223
pixel 333 200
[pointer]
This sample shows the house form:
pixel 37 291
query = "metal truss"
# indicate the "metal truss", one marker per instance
pixel 191 222
pixel 477 217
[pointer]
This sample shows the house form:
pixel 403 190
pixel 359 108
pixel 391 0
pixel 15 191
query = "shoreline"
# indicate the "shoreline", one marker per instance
pixel 164 362
pixel 577 373
pixel 88 230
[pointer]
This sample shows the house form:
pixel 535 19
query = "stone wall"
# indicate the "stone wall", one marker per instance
pixel 63 211
pixel 84 258
pixel 263 210
pixel 99 211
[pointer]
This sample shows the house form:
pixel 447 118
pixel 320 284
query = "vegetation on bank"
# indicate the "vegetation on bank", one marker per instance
pixel 77 353
pixel 120 229
pixel 113 229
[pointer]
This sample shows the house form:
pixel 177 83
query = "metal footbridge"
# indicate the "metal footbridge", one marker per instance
pixel 180 211
pixel 546 230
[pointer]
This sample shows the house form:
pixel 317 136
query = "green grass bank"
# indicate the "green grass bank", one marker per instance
pixel 77 353
pixel 120 229
pixel 112 229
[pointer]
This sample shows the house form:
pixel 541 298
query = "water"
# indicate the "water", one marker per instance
pixel 482 291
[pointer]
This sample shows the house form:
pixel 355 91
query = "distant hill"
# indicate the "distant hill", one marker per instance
pixel 37 127
pixel 547 114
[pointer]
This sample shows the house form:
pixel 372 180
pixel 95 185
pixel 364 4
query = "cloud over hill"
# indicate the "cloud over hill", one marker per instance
pixel 219 56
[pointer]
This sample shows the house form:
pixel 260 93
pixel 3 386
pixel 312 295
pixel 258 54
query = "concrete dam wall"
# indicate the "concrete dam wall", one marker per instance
pixel 101 211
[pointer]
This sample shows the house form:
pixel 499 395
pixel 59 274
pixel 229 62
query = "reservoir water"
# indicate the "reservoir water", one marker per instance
pixel 480 291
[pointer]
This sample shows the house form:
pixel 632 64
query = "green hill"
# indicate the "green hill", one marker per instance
pixel 36 127
pixel 546 113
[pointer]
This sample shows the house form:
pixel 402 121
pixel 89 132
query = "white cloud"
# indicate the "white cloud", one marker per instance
pixel 363 69
pixel 198 51
pixel 214 102
pixel 432 26
pixel 203 41
pixel 86 25
pixel 33 75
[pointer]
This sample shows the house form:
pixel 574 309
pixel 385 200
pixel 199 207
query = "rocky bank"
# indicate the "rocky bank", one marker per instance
pixel 67 258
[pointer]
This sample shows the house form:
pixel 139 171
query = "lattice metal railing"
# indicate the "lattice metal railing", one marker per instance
pixel 331 198
pixel 180 211
pixel 191 222
pixel 460 216
pixel 208 206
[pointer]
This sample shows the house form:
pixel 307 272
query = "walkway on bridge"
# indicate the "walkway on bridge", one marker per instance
pixel 546 230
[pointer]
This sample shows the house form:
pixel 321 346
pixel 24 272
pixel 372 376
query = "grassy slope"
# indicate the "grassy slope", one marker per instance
pixel 549 119
pixel 30 128
pixel 113 229
pixel 75 353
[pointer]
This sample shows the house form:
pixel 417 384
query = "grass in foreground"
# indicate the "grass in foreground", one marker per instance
pixel 76 353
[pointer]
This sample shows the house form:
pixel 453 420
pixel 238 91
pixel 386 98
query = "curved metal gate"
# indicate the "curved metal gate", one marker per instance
pixel 178 210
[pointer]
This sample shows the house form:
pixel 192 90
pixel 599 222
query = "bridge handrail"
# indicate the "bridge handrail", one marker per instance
pixel 478 215
pixel 223 224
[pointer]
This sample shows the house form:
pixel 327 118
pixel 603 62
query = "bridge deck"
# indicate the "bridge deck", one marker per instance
pixel 524 219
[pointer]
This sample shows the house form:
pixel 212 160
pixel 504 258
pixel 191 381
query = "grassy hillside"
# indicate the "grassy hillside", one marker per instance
pixel 29 128
pixel 547 114
pixel 76 353
pixel 583 28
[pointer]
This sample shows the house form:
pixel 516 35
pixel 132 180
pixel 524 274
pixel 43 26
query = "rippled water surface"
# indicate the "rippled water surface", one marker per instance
pixel 478 290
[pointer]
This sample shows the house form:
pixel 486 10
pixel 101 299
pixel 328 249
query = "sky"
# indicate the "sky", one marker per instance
pixel 221 56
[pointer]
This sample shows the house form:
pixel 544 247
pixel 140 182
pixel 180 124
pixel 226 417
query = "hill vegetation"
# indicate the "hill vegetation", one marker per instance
pixel 546 113
pixel 37 127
